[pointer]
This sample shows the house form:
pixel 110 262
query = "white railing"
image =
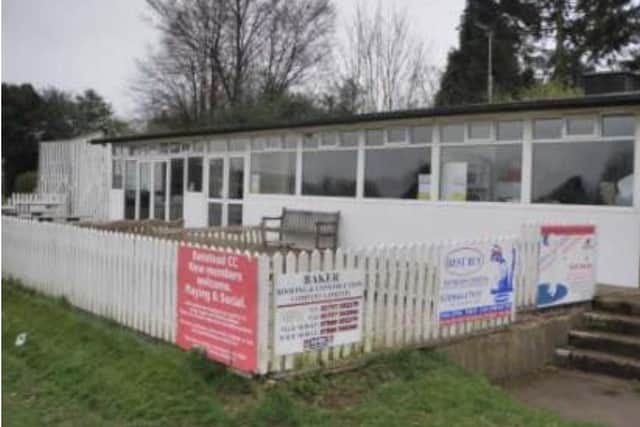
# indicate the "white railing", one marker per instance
pixel 38 203
pixel 132 280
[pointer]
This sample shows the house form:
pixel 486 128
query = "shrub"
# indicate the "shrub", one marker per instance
pixel 26 182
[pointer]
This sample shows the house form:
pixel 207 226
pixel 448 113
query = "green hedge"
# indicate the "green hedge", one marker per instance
pixel 26 182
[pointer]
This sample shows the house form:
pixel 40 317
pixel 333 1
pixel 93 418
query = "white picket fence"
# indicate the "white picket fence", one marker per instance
pixel 36 203
pixel 132 280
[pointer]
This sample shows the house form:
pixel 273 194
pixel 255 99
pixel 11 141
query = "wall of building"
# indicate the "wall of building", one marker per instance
pixel 80 170
pixel 374 222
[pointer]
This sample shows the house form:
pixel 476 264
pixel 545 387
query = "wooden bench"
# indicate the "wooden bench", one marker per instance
pixel 300 229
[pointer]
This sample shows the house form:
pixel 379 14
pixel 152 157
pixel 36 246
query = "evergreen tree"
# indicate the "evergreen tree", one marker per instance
pixel 587 35
pixel 465 78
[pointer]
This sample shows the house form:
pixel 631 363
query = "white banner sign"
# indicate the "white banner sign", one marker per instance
pixel 477 282
pixel 566 265
pixel 318 309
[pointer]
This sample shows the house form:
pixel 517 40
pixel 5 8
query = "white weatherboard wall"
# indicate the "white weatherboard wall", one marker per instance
pixel 372 222
pixel 79 170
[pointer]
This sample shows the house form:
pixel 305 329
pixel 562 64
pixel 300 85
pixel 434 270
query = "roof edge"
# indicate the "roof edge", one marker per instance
pixel 603 100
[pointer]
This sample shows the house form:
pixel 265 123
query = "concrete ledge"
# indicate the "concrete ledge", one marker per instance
pixel 519 349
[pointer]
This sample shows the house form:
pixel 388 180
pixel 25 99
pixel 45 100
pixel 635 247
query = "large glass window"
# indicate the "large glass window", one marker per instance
pixel 216 174
pixel 273 173
pixel 117 175
pixel 145 190
pixel 397 173
pixel 481 173
pixel 374 137
pixel 585 173
pixel 194 174
pixel 160 189
pixel 130 184
pixel 236 178
pixel 177 189
pixel 329 173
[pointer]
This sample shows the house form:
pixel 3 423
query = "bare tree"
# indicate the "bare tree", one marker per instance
pixel 216 55
pixel 387 61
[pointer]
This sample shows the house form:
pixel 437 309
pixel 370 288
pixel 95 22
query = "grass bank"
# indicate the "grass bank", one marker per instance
pixel 76 370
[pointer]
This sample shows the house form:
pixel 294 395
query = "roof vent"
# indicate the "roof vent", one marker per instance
pixel 611 82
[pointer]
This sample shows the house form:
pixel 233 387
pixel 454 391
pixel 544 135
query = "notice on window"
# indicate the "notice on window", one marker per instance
pixel 217 306
pixel 476 282
pixel 454 181
pixel 566 264
pixel 318 309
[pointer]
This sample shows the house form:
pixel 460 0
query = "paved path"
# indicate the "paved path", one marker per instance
pixel 581 396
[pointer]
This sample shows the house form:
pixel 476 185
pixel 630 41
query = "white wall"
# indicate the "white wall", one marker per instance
pixel 80 170
pixel 372 222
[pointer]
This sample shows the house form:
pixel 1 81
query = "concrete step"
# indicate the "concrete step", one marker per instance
pixel 615 344
pixel 612 322
pixel 621 304
pixel 596 361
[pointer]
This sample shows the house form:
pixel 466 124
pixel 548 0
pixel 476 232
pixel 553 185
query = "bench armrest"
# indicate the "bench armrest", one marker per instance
pixel 264 228
pixel 331 232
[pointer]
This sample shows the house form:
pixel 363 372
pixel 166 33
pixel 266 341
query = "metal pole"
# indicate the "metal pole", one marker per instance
pixel 490 69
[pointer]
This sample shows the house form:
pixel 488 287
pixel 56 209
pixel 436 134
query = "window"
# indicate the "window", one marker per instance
pixel 374 137
pixel 291 142
pixel 274 142
pixel 238 145
pixel 273 173
pixel 396 135
pixel 585 173
pixel 329 173
pixel 145 190
pixel 116 176
pixel 176 189
pixel 194 174
pixel 215 215
pixel 479 130
pixel 452 133
pixel 310 141
pixel 236 178
pixel 130 184
pixel 216 174
pixel 481 173
pixel 349 139
pixel 234 214
pixel 218 146
pixel 396 172
pixel 421 134
pixel 328 139
pixel 580 126
pixel 620 125
pixel 547 129
pixel 509 130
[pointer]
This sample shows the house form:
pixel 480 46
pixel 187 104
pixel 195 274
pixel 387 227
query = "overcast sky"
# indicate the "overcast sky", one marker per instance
pixel 80 44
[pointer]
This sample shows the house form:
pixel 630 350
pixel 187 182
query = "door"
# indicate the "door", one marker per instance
pixel 225 190
pixel 151 196
pixel 195 201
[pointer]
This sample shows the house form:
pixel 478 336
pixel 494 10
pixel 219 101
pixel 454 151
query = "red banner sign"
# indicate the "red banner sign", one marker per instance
pixel 217 306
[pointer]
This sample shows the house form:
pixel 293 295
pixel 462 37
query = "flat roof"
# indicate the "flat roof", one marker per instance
pixel 606 100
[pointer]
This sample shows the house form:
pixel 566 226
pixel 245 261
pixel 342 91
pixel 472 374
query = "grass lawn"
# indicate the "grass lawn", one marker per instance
pixel 76 370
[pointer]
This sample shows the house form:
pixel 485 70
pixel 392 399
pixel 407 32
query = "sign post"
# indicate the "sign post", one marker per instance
pixel 217 306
